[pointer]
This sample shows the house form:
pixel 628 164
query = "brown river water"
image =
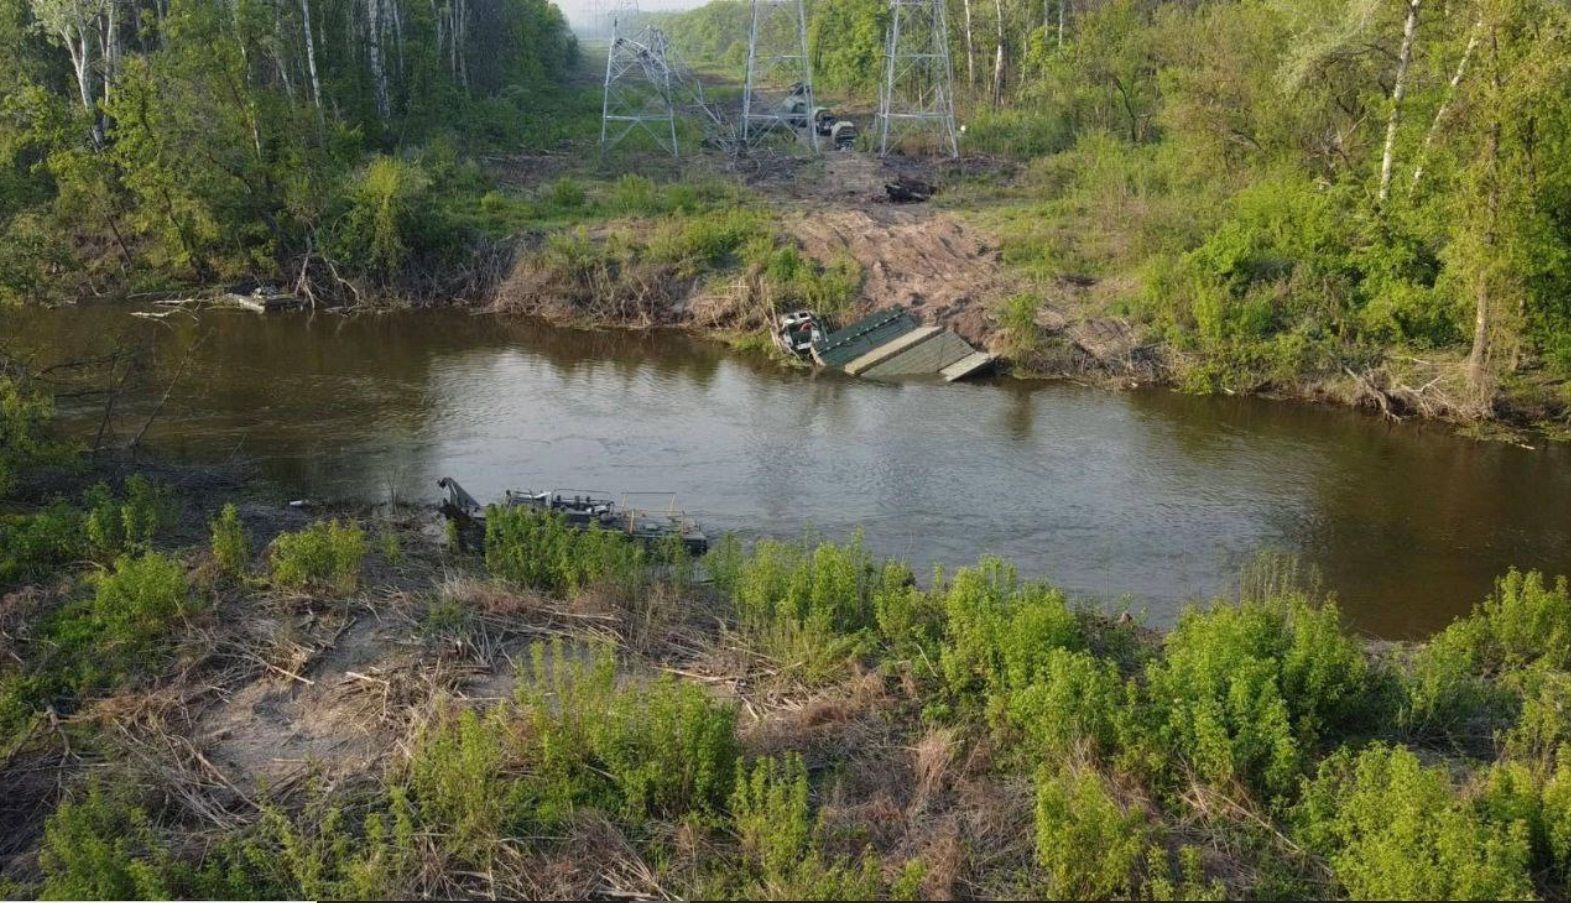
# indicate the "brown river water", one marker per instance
pixel 1148 499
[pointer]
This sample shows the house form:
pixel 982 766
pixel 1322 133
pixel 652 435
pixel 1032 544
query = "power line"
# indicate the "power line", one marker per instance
pixel 918 90
pixel 778 94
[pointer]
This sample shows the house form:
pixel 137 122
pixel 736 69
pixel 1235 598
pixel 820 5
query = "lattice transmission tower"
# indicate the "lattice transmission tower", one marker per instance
pixel 778 94
pixel 637 95
pixel 918 92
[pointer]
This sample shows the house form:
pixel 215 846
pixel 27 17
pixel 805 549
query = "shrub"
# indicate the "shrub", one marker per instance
pixel 539 550
pixel 134 603
pixel 125 524
pixel 1001 632
pixel 102 846
pixel 771 812
pixel 1460 679
pixel 34 546
pixel 1243 689
pixel 1524 622
pixel 1077 699
pixel 23 414
pixel 455 776
pixel 1393 829
pixel 809 609
pixel 327 554
pixel 1544 724
pixel 1557 816
pixel 1087 843
pixel 1017 318
pixel 653 749
pixel 231 548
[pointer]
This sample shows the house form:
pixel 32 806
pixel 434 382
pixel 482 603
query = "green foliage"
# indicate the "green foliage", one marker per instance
pixel 1244 690
pixel 1077 700
pixel 34 546
pixel 1087 843
pixel 772 819
pixel 115 525
pixel 538 549
pixel 781 853
pixel 455 778
pixel 1017 318
pixel 102 846
pixel 325 555
pixel 384 206
pixel 1523 627
pixel 1394 829
pixel 655 748
pixel 807 607
pixel 134 603
pixel 231 547
pixel 1001 633
pixel 23 415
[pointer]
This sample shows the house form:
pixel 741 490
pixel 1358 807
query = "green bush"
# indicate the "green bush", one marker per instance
pixel 1077 700
pixel 809 608
pixel 770 807
pixel 128 523
pixel 539 550
pixel 1242 691
pixel 780 851
pixel 1001 632
pixel 1393 829
pixel 36 546
pixel 101 845
pixel 231 547
pixel 457 783
pixel 656 748
pixel 327 555
pixel 1087 843
pixel 23 415
pixel 1460 681
pixel 134 603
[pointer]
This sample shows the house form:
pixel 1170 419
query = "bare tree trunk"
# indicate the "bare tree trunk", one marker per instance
pixel 1398 91
pixel 1445 105
pixel 461 41
pixel 374 53
pixel 970 50
pixel 310 58
pixel 998 56
pixel 109 42
pixel 1063 10
pixel 1478 358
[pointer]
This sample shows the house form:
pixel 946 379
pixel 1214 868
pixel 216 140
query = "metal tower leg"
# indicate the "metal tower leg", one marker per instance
pixel 778 90
pixel 918 89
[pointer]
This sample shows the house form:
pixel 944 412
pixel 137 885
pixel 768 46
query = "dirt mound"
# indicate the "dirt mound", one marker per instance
pixel 930 263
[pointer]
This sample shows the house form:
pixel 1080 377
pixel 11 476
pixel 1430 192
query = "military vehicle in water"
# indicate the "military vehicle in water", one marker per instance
pixel 578 509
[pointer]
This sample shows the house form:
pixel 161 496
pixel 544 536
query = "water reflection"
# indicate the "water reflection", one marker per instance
pixel 1152 494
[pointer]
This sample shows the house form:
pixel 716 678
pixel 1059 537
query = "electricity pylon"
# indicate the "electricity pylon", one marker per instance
pixel 637 91
pixel 778 93
pixel 918 91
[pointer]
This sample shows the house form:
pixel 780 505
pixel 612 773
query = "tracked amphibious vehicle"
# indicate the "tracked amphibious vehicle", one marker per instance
pixel 580 510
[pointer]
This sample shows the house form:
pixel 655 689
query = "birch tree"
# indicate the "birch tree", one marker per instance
pixel 1398 92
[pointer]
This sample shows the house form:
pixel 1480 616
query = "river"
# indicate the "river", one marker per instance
pixel 1147 499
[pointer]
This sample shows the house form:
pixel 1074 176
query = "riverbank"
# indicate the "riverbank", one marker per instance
pixel 271 702
pixel 719 253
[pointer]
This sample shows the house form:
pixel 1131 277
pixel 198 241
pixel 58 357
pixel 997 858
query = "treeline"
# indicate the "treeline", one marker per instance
pixel 150 143
pixel 1276 190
